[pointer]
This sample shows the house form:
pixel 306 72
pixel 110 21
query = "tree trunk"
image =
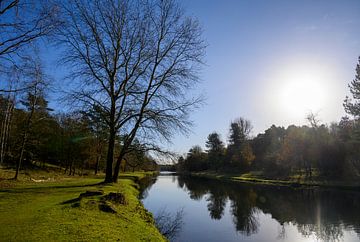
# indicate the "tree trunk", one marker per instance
pixel 5 129
pixel 70 168
pixel 18 164
pixel 110 156
pixel 117 166
pixel 23 143
pixel 111 145
pixel 97 164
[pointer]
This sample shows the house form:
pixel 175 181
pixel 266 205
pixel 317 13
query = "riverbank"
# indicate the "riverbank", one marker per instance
pixel 256 178
pixel 74 209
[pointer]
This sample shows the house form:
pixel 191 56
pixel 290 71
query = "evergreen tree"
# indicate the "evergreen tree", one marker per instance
pixel 353 106
pixel 215 149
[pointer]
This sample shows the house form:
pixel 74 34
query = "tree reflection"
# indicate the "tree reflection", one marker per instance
pixel 323 232
pixel 216 204
pixel 145 185
pixel 196 189
pixel 244 211
pixel 243 202
pixel 324 214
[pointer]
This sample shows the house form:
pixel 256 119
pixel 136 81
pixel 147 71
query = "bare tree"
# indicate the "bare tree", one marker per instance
pixel 22 22
pixel 136 61
pixel 7 108
pixel 313 119
pixel 240 130
pixel 32 101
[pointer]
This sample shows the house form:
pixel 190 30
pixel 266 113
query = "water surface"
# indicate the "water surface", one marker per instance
pixel 229 211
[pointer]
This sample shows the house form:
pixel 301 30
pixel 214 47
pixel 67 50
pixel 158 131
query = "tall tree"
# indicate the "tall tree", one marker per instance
pixel 239 152
pixel 353 106
pixel 239 131
pixel 135 60
pixel 215 148
pixel 195 159
pixel 6 112
pixel 33 101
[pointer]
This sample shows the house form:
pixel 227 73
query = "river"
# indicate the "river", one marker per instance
pixel 222 211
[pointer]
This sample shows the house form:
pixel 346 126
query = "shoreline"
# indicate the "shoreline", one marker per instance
pixel 272 182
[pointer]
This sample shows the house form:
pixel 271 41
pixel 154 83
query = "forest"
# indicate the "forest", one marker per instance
pixel 313 151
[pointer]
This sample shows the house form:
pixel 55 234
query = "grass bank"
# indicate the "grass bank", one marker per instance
pixel 258 178
pixel 51 210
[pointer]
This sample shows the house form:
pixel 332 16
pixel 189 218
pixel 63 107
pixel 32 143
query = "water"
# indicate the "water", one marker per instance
pixel 228 211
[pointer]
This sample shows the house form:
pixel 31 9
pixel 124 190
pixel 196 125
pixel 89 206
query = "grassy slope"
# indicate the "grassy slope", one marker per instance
pixel 33 212
pixel 256 177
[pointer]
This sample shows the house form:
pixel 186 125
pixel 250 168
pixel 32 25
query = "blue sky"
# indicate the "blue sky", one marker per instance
pixel 270 61
pixel 260 50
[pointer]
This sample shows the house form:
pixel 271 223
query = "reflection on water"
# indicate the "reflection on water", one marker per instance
pixel 228 211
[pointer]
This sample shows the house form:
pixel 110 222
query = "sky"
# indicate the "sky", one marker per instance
pixel 272 62
pixel 269 61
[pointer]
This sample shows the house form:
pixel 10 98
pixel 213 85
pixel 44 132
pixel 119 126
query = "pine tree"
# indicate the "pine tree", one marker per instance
pixel 215 149
pixel 353 106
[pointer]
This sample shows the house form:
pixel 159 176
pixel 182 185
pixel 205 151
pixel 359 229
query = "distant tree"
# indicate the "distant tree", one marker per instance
pixel 7 105
pixel 353 106
pixel 196 159
pixel 180 165
pixel 76 142
pixel 313 119
pixel 348 134
pixel 294 148
pixel 215 149
pixel 33 102
pixel 99 131
pixel 239 152
pixel 267 147
pixel 240 130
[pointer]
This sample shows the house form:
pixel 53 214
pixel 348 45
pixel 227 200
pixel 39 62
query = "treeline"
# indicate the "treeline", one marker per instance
pixel 32 135
pixel 329 151
pixel 311 150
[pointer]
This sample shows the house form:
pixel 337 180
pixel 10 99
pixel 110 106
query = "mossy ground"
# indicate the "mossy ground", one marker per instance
pixel 31 211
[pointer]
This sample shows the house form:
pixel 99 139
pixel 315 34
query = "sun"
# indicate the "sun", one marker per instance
pixel 302 93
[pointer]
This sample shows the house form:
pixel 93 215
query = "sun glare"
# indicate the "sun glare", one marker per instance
pixel 302 93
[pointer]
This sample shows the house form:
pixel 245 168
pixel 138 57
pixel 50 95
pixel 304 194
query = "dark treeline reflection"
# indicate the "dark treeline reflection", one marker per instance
pixel 145 185
pixel 325 213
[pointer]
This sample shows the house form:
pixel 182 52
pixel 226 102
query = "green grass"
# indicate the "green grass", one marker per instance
pixel 34 211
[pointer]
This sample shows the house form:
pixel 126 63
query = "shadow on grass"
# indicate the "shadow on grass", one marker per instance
pixel 42 187
pixel 39 187
pixel 74 200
